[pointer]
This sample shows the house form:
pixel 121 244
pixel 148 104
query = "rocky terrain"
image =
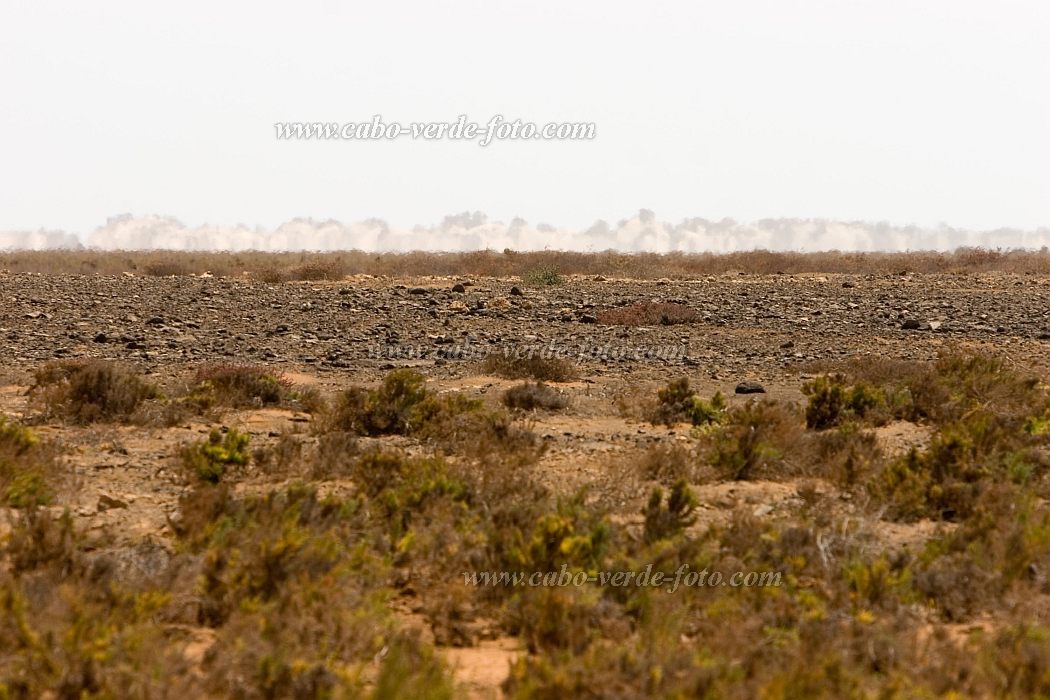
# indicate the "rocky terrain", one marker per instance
pixel 760 325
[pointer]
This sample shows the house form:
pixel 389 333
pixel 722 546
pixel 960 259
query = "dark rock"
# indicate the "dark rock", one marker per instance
pixel 750 388
pixel 459 288
pixel 155 321
pixel 106 502
pixel 417 290
pixel 587 318
pixel 101 338
pixel 914 324
pixel 515 292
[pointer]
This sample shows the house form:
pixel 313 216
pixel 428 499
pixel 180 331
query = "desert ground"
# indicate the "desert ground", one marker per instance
pixel 258 486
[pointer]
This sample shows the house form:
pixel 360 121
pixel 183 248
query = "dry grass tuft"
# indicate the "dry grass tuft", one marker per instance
pixel 531 366
pixel 533 395
pixel 88 391
pixel 649 314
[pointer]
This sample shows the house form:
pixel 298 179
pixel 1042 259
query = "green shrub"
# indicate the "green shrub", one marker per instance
pixel 667 519
pixel 544 276
pixel 831 401
pixel 208 459
pixel 239 386
pixel 387 410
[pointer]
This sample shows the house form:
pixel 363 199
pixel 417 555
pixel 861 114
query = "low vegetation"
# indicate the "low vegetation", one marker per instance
pixel 296 589
pixel 533 395
pixel 679 403
pixel 278 267
pixel 243 386
pixel 529 366
pixel 649 314
pixel 543 276
pixel 89 391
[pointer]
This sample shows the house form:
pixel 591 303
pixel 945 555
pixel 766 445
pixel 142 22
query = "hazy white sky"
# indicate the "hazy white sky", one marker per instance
pixel 911 112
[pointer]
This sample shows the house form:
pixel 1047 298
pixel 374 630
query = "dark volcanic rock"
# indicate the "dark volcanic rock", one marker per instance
pixel 750 388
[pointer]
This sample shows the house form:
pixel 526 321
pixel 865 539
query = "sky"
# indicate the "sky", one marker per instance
pixel 924 113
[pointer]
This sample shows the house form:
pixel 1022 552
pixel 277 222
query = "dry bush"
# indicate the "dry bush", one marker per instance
pixel 239 386
pixel 649 314
pixel 848 456
pixel 87 391
pixel 453 423
pixel 285 456
pixel 530 396
pixel 531 366
pixel 333 457
pixel 678 402
pixel 761 439
pixel 387 410
pixel 667 463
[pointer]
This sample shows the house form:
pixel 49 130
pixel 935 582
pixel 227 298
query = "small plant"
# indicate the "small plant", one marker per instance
pixel 673 403
pixel 529 366
pixel 208 459
pixel 754 438
pixel 544 276
pixel 678 402
pixel 664 520
pixel 529 396
pixel 832 402
pixel 667 463
pixel 88 391
pixel 703 413
pixel 384 411
pixel 239 386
